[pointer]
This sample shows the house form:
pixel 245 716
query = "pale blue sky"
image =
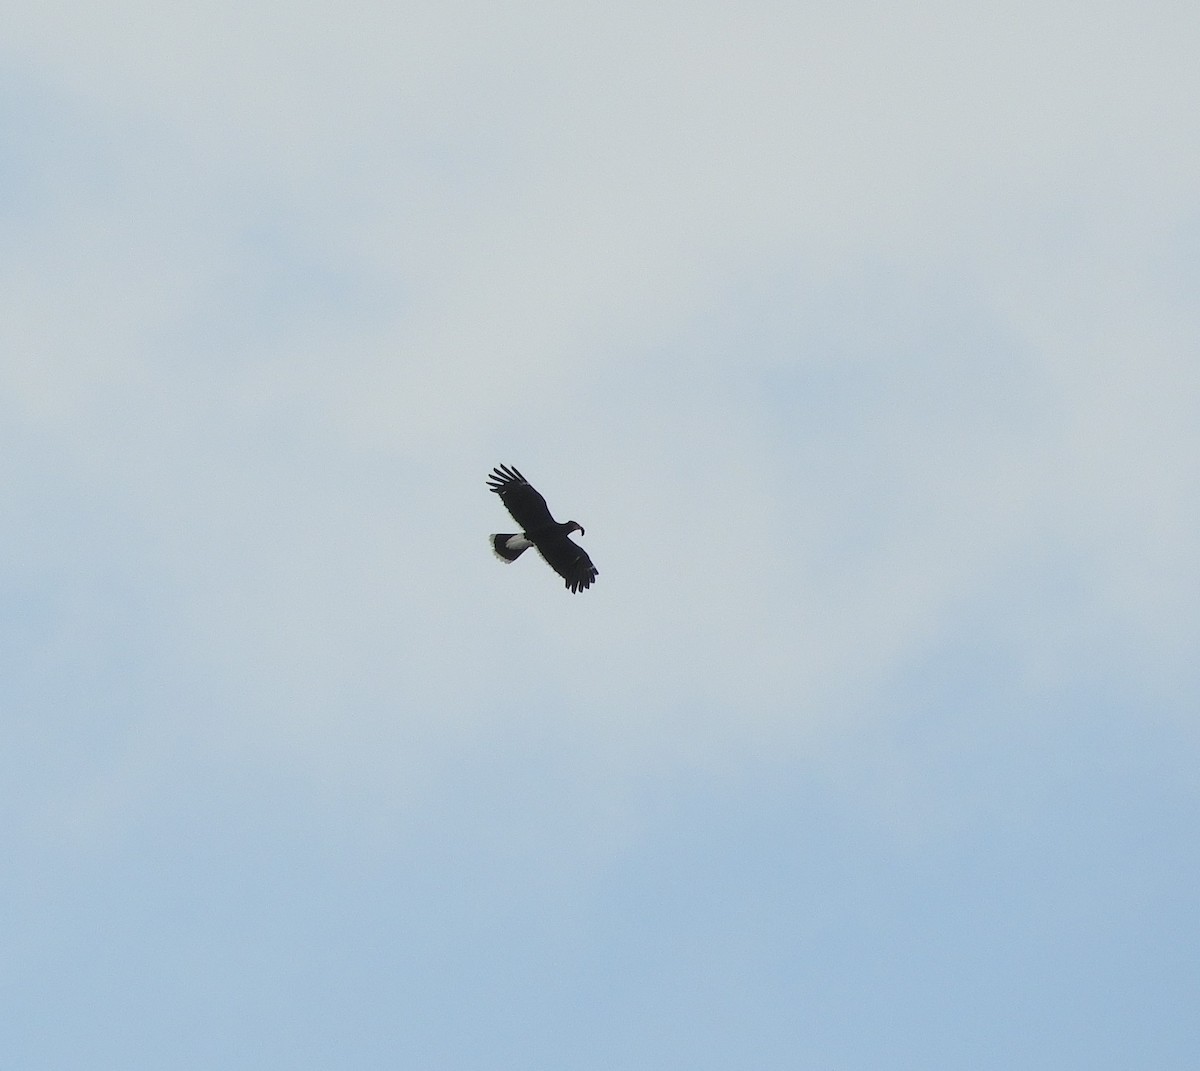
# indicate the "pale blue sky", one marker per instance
pixel 863 343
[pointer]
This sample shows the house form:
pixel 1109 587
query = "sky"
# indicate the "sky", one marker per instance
pixel 864 343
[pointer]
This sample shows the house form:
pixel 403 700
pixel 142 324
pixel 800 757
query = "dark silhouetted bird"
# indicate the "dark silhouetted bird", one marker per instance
pixel 539 529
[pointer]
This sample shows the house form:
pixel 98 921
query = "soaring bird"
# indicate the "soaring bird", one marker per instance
pixel 539 529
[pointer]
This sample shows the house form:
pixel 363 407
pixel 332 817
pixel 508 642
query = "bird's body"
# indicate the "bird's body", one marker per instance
pixel 539 529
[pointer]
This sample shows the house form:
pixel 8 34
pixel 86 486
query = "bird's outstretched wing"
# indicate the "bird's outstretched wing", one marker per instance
pixel 568 559
pixel 526 505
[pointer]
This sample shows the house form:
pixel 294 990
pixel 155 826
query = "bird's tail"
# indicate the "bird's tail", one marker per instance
pixel 509 546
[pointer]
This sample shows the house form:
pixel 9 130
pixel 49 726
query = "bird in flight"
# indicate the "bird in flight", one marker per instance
pixel 539 529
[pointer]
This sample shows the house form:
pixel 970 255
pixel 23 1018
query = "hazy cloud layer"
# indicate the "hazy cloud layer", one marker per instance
pixel 862 343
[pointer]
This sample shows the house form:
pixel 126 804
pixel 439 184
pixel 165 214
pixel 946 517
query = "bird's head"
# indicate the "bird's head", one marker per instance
pixel 574 526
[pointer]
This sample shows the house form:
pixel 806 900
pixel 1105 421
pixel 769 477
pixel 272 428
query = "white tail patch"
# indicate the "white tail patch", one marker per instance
pixel 509 547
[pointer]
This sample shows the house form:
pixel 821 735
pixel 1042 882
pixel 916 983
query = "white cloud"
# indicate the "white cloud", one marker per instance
pixel 822 324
